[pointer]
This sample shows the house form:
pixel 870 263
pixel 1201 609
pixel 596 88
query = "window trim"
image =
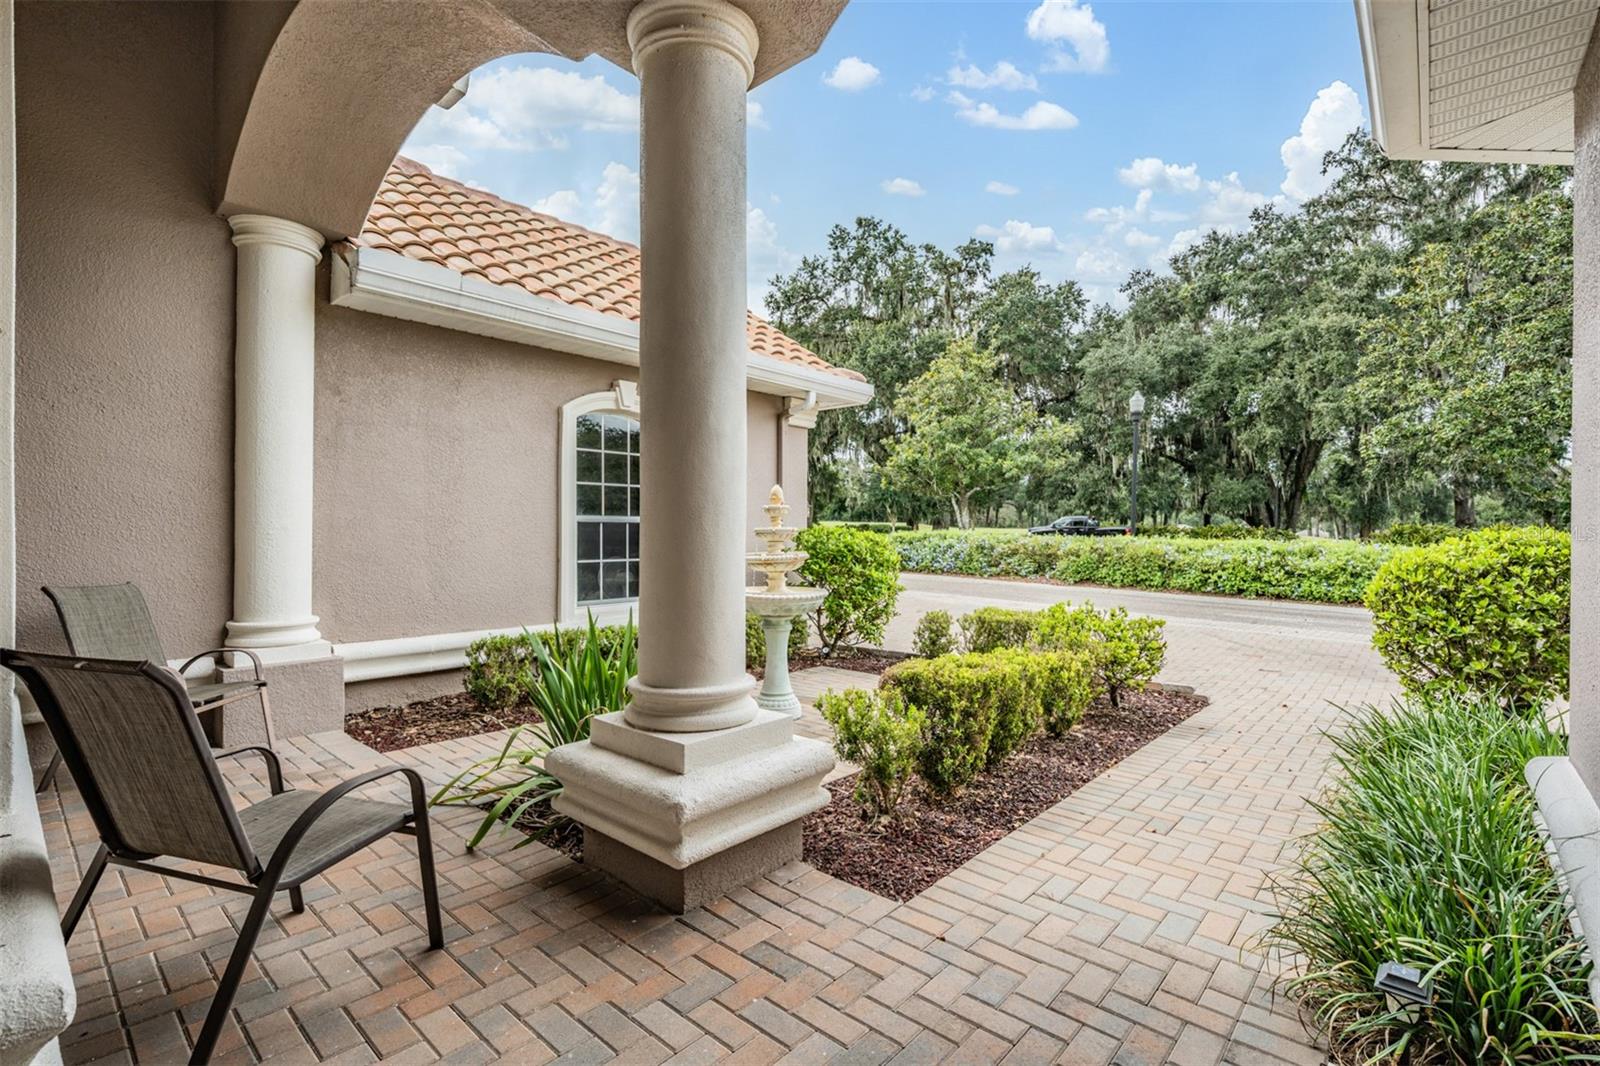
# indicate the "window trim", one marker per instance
pixel 621 399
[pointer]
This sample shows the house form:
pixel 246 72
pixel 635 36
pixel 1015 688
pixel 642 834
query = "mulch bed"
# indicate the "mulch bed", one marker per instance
pixel 931 839
pixel 441 718
pixel 866 660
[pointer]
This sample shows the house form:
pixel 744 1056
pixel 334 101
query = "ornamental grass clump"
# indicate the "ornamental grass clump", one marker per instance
pixel 1486 614
pixel 882 734
pixel 1429 856
pixel 576 678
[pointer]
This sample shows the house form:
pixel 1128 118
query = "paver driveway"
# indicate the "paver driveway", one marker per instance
pixel 1110 928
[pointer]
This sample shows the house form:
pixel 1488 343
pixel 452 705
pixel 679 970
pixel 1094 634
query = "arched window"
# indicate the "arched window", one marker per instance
pixel 600 504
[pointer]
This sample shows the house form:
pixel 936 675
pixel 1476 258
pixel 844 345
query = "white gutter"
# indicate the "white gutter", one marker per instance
pixel 387 283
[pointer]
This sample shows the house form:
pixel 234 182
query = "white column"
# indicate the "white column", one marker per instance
pixel 274 400
pixel 693 789
pixel 695 59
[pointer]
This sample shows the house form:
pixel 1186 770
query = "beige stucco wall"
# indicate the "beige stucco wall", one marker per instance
pixel 1585 720
pixel 436 451
pixel 437 477
pixel 124 316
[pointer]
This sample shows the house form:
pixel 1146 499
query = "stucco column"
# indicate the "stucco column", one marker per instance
pixel 693 789
pixel 274 400
pixel 695 60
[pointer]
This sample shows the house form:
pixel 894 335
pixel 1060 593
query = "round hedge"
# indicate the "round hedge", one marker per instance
pixel 1488 613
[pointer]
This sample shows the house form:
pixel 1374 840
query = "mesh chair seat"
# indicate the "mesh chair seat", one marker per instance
pixel 212 691
pixel 347 827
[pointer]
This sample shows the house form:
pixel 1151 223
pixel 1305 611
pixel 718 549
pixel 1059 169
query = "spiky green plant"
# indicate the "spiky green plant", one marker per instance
pixel 575 682
pixel 1429 855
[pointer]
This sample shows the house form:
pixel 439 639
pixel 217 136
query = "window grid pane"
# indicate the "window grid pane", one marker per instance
pixel 608 508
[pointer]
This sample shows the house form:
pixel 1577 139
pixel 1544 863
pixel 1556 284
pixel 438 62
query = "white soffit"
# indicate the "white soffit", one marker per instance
pixel 1484 80
pixel 385 283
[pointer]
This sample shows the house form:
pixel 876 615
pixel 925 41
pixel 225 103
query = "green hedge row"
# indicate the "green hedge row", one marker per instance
pixel 1326 571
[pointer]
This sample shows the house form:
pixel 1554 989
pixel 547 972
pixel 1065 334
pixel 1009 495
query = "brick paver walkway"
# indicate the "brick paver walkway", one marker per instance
pixel 1110 929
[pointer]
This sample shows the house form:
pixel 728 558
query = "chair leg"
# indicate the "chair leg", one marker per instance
pixel 49 776
pixel 228 987
pixel 297 900
pixel 430 887
pixel 266 720
pixel 80 899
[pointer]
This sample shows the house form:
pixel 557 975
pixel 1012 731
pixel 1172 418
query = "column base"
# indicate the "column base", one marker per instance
pixel 699 884
pixel 685 802
pixel 307 696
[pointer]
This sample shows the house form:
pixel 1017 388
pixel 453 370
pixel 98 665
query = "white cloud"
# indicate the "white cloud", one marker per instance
pixel 1138 238
pixel 522 108
pixel 1331 117
pixel 1042 115
pixel 1182 241
pixel 1004 76
pixel 1152 173
pixel 616 202
pixel 565 204
pixel 765 255
pixel 852 74
pixel 1077 39
pixel 527 99
pixel 1230 202
pixel 1001 188
pixel 901 187
pixel 923 93
pixel 443 159
pixel 755 115
pixel 1101 264
pixel 1020 238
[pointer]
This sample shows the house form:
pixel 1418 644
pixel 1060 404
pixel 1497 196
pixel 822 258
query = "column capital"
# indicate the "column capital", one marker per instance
pixel 265 229
pixel 714 23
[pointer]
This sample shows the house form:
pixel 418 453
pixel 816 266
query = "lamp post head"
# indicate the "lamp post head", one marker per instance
pixel 1136 404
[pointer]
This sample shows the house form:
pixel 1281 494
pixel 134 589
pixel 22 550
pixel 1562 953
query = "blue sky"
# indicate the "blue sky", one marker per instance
pixel 1085 139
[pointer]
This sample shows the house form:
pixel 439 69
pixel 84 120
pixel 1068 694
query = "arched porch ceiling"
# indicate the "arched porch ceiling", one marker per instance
pixel 341 84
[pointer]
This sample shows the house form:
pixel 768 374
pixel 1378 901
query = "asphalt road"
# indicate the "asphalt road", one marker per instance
pixel 1220 616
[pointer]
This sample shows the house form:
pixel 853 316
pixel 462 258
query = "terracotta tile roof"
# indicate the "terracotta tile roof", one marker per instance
pixel 427 217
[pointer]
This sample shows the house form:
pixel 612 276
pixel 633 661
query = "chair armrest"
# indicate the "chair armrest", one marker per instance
pixel 255 660
pixel 291 839
pixel 270 757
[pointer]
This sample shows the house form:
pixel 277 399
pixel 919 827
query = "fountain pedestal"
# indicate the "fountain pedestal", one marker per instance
pixel 778 605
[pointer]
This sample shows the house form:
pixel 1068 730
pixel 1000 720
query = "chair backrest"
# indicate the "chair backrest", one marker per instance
pixel 134 746
pixel 107 621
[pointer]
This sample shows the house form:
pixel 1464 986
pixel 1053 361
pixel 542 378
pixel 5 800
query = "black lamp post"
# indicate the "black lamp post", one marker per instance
pixel 1136 414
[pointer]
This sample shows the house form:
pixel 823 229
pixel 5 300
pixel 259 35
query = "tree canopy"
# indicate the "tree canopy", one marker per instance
pixel 1397 348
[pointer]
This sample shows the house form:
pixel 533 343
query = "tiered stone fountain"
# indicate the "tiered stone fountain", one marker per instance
pixel 778 605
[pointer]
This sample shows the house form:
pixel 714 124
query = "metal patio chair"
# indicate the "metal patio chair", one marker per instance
pixel 132 740
pixel 113 622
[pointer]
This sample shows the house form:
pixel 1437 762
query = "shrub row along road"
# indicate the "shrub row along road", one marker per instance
pixel 1144 890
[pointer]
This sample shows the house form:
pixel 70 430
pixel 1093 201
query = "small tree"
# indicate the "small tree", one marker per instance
pixel 965 423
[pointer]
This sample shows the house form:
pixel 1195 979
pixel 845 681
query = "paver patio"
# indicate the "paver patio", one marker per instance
pixel 1111 928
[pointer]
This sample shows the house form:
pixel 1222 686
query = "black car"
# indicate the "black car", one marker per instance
pixel 1079 525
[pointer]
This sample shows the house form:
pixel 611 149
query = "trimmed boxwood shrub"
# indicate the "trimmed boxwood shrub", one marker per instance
pixel 1327 571
pixel 989 628
pixel 960 696
pixel 1485 614
pixel 935 635
pixel 1125 651
pixel 861 572
pixel 502 670
pixel 1019 713
pixel 882 734
pixel 1066 687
